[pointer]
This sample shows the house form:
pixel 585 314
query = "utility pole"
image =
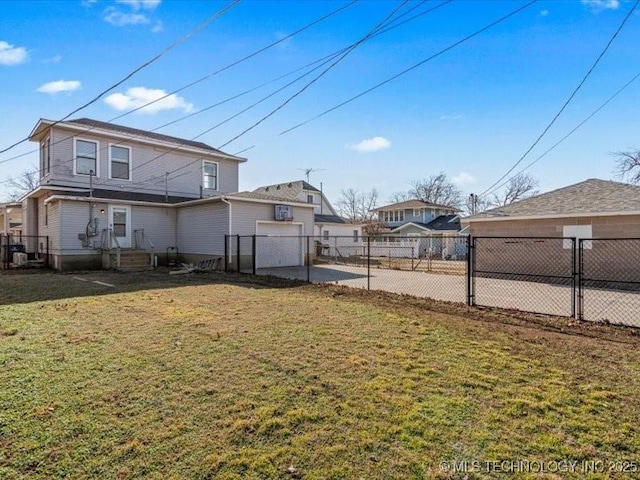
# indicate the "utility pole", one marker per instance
pixel 166 187
pixel 473 202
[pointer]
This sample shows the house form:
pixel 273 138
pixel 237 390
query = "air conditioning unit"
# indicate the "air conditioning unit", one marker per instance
pixel 283 213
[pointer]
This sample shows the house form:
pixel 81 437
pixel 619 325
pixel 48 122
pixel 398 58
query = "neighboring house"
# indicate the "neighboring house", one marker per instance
pixel 106 187
pixel 421 216
pixel 590 209
pixel 11 219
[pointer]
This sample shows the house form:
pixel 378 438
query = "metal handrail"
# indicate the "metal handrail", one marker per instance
pixel 108 240
pixel 140 243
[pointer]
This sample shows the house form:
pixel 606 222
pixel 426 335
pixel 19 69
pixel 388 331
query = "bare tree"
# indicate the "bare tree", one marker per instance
pixel 519 187
pixel 437 189
pixel 398 197
pixel 23 183
pixel 628 165
pixel 356 206
pixel 476 204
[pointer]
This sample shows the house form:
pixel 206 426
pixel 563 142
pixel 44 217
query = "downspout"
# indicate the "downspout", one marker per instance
pixel 228 260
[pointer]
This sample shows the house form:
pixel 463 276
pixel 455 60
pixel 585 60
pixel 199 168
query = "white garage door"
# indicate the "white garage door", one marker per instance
pixel 282 247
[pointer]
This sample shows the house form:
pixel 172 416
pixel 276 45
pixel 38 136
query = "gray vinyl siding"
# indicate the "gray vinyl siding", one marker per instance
pixel 148 178
pixel 201 228
pixel 49 223
pixel 159 224
pixel 74 217
pixel 245 215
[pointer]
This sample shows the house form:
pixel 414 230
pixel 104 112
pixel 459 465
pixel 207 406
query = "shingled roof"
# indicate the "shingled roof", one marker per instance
pixel 412 204
pixel 289 190
pixel 588 197
pixel 112 127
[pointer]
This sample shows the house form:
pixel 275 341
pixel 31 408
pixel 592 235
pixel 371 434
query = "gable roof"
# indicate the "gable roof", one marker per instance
pixel 584 198
pixel 412 204
pixel 289 190
pixel 440 223
pixel 133 132
pixel 318 218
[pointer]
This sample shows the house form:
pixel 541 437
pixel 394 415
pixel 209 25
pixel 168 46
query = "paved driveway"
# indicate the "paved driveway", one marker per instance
pixel 615 306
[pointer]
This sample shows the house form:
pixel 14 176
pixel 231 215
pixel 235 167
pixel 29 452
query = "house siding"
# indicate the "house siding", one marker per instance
pixel 246 214
pixel 159 224
pixel 201 229
pixel 148 178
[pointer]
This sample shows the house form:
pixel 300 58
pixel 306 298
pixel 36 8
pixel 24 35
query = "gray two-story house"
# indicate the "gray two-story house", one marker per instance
pixel 106 187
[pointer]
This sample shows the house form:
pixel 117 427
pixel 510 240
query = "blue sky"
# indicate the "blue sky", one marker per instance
pixel 471 112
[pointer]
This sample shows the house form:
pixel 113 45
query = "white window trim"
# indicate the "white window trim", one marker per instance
pixel 75 157
pixel 130 162
pixel 217 189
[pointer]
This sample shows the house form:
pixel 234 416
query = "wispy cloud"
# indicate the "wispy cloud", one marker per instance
pixel 158 27
pixel 138 96
pixel 600 5
pixel 450 116
pixel 544 13
pixel 119 19
pixel 140 4
pixel 374 144
pixel 11 55
pixel 55 59
pixel 464 178
pixel 60 86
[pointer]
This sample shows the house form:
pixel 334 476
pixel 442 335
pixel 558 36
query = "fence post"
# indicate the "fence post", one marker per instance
pixel 238 254
pixel 580 306
pixel 470 266
pixel 226 252
pixel 253 254
pixel 368 262
pixel 574 292
pixel 308 258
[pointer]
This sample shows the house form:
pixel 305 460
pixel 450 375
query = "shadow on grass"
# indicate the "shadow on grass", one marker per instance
pixel 18 288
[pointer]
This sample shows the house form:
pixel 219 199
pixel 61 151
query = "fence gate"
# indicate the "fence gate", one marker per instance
pixel 609 280
pixel 533 274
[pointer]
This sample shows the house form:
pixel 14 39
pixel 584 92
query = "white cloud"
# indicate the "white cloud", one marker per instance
pixel 544 13
pixel 140 4
pixel 464 178
pixel 599 5
pixel 450 116
pixel 120 19
pixel 55 59
pixel 60 86
pixel 158 27
pixel 11 55
pixel 374 144
pixel 138 96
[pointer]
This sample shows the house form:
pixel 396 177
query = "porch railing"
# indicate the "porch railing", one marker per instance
pixel 142 242
pixel 110 243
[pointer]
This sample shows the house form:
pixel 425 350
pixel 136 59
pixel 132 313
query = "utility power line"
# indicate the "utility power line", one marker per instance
pixel 571 132
pixel 568 101
pixel 405 71
pixel 206 77
pixel 181 40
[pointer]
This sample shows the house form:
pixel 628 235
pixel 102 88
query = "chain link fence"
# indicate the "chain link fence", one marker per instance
pixel 609 280
pixel 589 279
pixel 528 274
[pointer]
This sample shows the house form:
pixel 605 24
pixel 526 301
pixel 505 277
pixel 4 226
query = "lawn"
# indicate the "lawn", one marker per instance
pixel 213 376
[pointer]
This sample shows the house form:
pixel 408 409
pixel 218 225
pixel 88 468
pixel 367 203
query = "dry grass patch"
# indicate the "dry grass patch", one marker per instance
pixel 215 380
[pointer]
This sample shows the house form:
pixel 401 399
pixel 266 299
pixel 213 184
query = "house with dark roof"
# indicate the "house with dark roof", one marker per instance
pixel 593 208
pixel 109 193
pixel 415 217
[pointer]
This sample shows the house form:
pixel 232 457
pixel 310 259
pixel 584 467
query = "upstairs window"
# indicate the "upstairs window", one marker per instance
pixel 309 198
pixel 210 175
pixel 45 157
pixel 120 162
pixel 86 157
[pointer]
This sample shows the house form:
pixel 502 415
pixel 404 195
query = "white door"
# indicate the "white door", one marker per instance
pixel 120 224
pixel 279 244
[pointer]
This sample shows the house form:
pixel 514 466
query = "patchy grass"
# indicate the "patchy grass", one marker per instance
pixel 194 377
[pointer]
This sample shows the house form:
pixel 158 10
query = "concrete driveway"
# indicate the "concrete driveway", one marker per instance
pixel 620 307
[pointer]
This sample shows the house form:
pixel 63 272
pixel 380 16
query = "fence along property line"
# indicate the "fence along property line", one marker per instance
pixel 35 249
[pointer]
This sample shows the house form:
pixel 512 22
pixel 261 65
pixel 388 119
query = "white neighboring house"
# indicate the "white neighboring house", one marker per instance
pixel 108 188
pixel 11 219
